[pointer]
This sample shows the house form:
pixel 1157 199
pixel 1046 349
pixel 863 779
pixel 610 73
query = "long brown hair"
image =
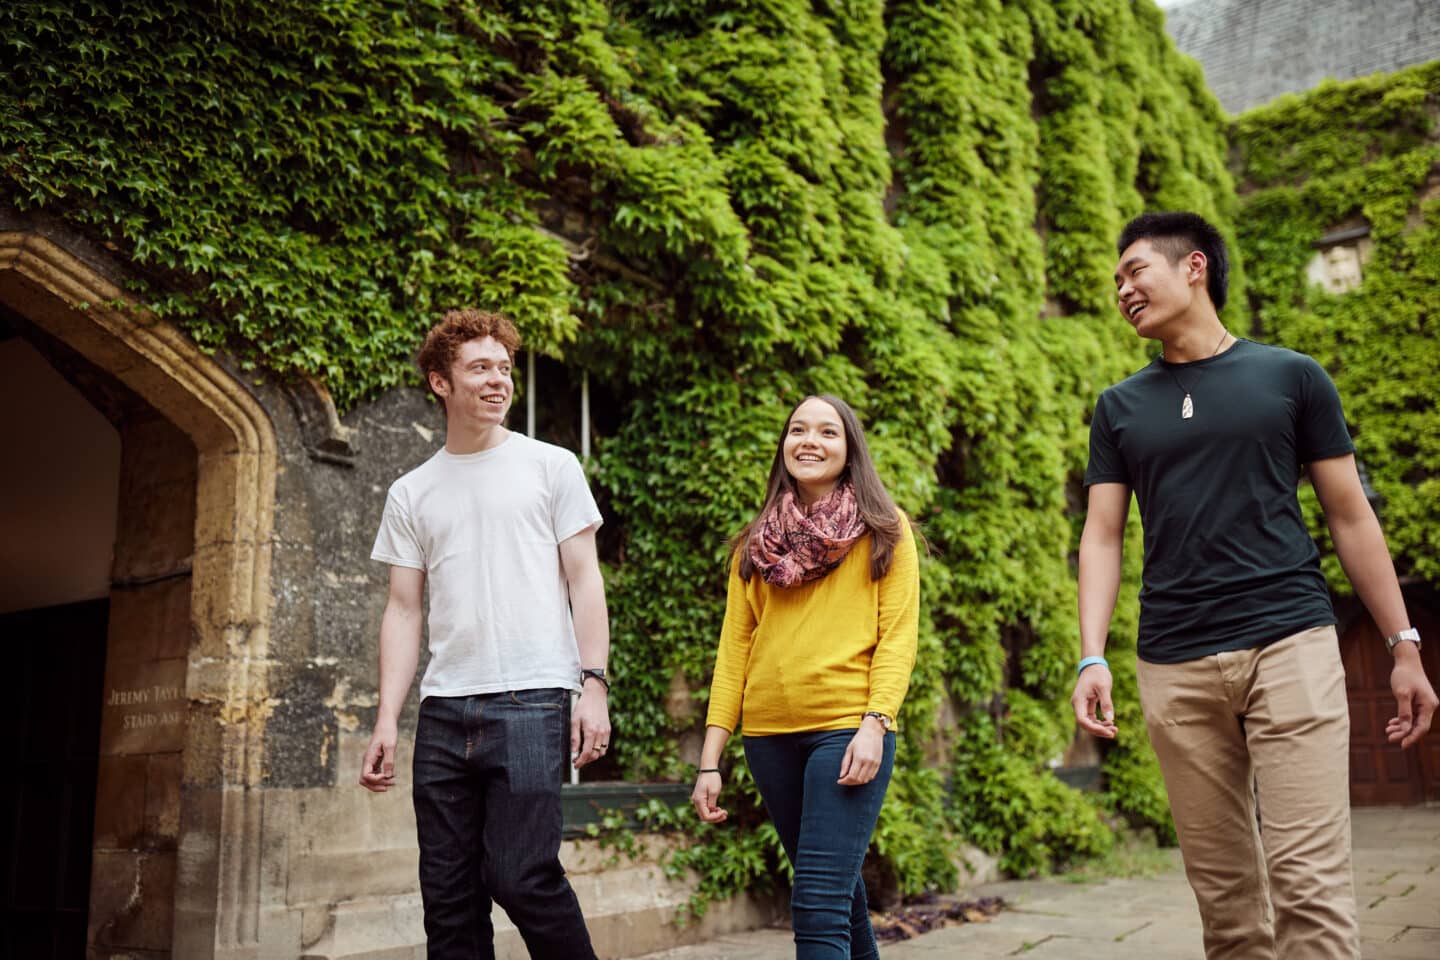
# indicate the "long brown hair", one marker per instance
pixel 877 507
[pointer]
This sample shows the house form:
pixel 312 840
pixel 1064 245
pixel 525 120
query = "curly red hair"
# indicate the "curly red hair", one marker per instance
pixel 455 329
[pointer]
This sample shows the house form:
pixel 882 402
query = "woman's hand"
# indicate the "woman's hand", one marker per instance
pixel 705 797
pixel 863 755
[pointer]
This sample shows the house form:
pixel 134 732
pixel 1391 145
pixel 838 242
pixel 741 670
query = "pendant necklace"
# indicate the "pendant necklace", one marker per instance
pixel 1187 406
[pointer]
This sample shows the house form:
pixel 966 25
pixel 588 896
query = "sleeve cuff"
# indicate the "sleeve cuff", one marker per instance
pixel 566 534
pixel 716 722
pixel 1090 481
pixel 397 561
pixel 1328 453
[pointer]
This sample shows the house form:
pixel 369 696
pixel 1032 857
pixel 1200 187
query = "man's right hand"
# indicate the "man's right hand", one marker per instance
pixel 1414 697
pixel 377 771
pixel 1092 690
pixel 1101 551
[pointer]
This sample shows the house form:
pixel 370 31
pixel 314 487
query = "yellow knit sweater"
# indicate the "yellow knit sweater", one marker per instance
pixel 819 655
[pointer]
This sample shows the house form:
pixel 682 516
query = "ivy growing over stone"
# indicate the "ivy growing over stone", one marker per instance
pixel 714 208
pixel 1365 152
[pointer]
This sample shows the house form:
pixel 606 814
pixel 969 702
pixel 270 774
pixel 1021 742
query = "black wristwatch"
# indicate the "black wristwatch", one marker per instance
pixel 598 673
pixel 885 721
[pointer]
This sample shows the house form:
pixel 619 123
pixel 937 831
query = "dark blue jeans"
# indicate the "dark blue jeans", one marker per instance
pixel 826 830
pixel 487 775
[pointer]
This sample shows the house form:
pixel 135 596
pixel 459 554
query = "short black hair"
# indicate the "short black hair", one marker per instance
pixel 1176 234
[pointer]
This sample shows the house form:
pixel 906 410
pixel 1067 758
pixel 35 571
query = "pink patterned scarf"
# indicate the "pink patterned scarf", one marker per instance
pixel 791 546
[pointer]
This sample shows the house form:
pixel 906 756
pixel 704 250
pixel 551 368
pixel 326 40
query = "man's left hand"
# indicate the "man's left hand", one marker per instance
pixel 1414 697
pixel 590 725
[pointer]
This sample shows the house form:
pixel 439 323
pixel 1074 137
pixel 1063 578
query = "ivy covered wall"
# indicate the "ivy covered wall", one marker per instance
pixel 1353 155
pixel 714 208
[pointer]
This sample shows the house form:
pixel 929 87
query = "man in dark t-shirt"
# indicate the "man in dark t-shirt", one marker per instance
pixel 1239 673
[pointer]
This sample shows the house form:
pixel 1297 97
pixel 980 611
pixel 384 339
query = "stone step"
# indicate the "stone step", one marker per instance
pixel 631 907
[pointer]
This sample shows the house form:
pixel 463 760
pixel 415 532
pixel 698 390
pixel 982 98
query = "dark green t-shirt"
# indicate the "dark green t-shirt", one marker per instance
pixel 1229 564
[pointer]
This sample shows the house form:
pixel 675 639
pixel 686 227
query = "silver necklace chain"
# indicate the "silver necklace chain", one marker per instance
pixel 1187 406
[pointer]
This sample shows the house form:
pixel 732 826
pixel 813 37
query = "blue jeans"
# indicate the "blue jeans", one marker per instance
pixel 487 777
pixel 826 830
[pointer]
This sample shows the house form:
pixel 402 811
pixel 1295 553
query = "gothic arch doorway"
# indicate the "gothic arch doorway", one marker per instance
pixel 176 854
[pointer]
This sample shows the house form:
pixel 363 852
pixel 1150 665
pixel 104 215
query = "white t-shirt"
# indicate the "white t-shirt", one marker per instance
pixel 486 528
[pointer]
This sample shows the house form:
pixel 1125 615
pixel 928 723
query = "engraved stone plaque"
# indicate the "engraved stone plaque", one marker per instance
pixel 144 708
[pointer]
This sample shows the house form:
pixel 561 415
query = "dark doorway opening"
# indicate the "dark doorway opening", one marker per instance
pixel 56 662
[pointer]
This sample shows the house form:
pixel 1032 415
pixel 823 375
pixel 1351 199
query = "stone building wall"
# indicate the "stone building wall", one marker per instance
pixel 240 672
pixel 1255 50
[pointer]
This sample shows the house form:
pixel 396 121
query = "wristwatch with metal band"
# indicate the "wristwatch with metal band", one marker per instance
pixel 1410 633
pixel 885 721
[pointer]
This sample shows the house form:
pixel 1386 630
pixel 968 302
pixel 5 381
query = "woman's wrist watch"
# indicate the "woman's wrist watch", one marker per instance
pixel 1409 633
pixel 885 721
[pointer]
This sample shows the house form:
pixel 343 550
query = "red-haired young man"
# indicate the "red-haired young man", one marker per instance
pixel 500 530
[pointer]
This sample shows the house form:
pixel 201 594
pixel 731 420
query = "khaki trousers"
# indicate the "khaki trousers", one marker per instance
pixel 1267 727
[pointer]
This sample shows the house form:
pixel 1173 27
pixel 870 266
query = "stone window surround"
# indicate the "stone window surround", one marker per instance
pixel 1338 264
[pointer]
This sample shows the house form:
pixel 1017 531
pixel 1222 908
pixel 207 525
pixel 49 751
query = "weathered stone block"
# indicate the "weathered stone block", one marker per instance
pixel 120 802
pixel 204 746
pixel 366 929
pixel 392 817
pixel 218 482
pixel 162 800
pixel 150 621
pixel 156 523
pixel 292 619
pixel 135 622
pixel 132 896
pixel 302 727
pixel 172 638
pixel 218 570
pixel 347 818
pixel 338 877
pixel 198 880
pixel 280 934
pixel 976 868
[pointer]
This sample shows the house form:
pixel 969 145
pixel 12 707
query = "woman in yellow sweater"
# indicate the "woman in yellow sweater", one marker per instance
pixel 814 660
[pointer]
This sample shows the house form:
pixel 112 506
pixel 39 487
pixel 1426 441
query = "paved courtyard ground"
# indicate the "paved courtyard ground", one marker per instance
pixel 1397 876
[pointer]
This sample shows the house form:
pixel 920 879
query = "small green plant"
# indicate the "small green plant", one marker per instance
pixel 1136 854
pixel 1010 807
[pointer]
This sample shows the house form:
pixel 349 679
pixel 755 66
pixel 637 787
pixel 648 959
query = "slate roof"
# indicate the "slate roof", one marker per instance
pixel 1255 50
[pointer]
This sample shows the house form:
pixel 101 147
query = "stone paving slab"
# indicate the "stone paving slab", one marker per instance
pixel 1397 874
pixel 1397 882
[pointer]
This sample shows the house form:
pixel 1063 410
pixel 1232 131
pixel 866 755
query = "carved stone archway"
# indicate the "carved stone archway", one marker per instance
pixel 71 295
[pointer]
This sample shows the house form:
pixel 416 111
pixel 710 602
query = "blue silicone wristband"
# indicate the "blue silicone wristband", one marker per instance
pixel 1090 661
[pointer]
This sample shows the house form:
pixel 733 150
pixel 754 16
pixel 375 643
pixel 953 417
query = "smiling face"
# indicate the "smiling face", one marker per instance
pixel 815 449
pixel 479 389
pixel 1153 292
